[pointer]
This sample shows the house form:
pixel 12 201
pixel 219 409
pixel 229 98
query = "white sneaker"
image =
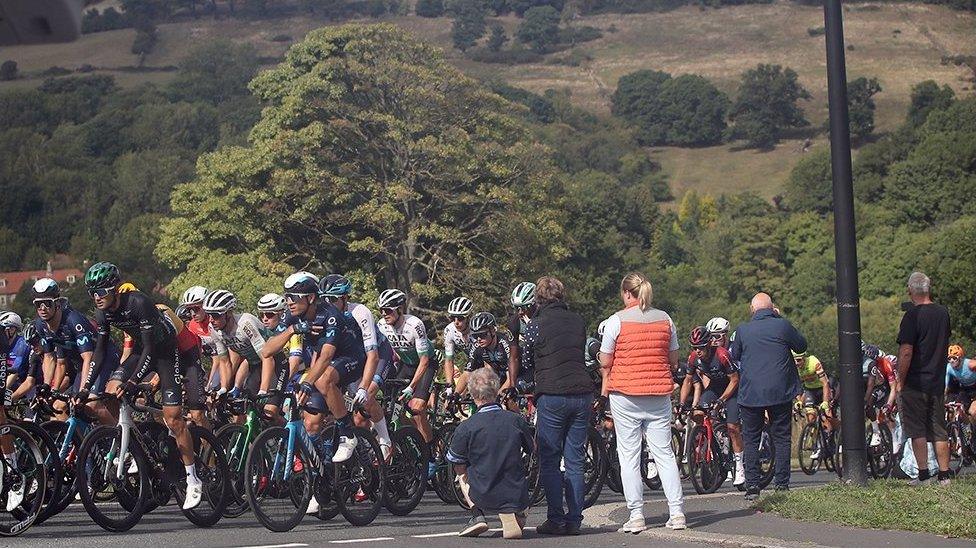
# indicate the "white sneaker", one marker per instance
pixel 634 526
pixel 875 439
pixel 740 475
pixel 16 494
pixel 651 469
pixel 676 522
pixel 313 507
pixel 194 492
pixel 345 449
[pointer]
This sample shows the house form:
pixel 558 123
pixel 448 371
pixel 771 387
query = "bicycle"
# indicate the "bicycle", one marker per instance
pixel 285 467
pixel 444 420
pixel 711 451
pixel 25 415
pixel 406 477
pixel 127 470
pixel 815 439
pixel 236 440
pixel 880 456
pixel 958 446
pixel 26 475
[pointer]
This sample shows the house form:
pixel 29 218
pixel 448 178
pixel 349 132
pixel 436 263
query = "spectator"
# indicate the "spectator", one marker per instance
pixel 556 337
pixel 923 340
pixel 638 354
pixel 768 383
pixel 487 451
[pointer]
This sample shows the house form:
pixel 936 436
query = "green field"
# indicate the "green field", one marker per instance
pixel 898 43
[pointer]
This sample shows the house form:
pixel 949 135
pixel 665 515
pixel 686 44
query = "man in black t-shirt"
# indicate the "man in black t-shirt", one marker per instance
pixel 923 340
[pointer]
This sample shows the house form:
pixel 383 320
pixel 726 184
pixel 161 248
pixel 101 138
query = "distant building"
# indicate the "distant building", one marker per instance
pixel 12 282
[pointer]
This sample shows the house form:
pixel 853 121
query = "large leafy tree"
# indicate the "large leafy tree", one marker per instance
pixel 373 153
pixel 860 98
pixel 767 103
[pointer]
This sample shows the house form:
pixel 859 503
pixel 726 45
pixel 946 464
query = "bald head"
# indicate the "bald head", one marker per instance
pixel 761 301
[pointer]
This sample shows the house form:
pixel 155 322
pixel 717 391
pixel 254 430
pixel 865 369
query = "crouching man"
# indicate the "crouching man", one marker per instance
pixel 487 451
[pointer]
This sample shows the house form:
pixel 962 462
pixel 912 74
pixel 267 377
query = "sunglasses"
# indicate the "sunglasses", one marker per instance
pixel 332 298
pixel 49 303
pixel 482 335
pixel 953 358
pixel 459 317
pixel 388 310
pixel 295 298
pixel 268 314
pixel 194 308
pixel 100 293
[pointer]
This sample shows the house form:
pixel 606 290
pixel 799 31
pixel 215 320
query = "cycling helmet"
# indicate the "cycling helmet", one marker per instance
pixel 459 306
pixel 11 320
pixel 391 299
pixel 872 352
pixel 30 334
pixel 271 303
pixel 602 328
pixel 717 325
pixel 127 287
pixel 193 295
pixel 956 351
pixel 335 285
pixel 46 288
pixel 102 275
pixel 482 322
pixel 302 282
pixel 219 302
pixel 523 295
pixel 797 355
pixel 698 337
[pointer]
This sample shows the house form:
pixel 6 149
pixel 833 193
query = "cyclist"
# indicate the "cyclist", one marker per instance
pixel 191 312
pixel 155 335
pixel 714 362
pixel 961 381
pixel 25 370
pixel 380 356
pixel 816 391
pixel 333 345
pixel 490 348
pixel 15 492
pixel 456 338
pixel 523 301
pixel 241 333
pixel 271 309
pixel 718 332
pixel 880 388
pixel 409 339
pixel 19 352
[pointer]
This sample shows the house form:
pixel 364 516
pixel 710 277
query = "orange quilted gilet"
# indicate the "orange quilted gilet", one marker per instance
pixel 640 359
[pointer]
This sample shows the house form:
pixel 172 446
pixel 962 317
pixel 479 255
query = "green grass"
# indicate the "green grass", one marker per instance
pixel 884 504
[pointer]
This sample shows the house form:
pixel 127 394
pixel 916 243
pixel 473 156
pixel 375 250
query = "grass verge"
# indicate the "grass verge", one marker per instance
pixel 884 504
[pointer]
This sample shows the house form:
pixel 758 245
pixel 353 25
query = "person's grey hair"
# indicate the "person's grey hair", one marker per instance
pixel 483 384
pixel 919 284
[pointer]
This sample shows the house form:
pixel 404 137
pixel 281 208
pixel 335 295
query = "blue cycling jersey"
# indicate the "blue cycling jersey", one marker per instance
pixel 18 360
pixel 333 328
pixel 964 376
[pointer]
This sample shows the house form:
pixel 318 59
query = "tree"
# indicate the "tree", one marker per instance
pixel 926 97
pixel 145 40
pixel 497 38
pixel 810 186
pixel 694 111
pixel 860 93
pixel 637 100
pixel 374 153
pixel 430 8
pixel 540 28
pixel 215 72
pixel 767 104
pixel 520 7
pixel 8 70
pixel 469 23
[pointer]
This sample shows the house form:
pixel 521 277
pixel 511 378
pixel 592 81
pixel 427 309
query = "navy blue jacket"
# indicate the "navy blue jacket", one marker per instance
pixel 762 346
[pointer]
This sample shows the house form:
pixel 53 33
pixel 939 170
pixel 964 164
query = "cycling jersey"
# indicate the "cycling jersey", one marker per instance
pixel 333 328
pixel 4 351
pixel 811 373
pixel 495 356
pixel 456 340
pixel 408 338
pixel 18 358
pixel 241 335
pixel 964 376
pixel 186 339
pixel 373 338
pixel 717 368
pixel 202 331
pixel 75 334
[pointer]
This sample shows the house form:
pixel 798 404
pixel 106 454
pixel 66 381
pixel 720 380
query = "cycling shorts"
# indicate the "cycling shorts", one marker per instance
pixel 812 397
pixel 350 376
pixel 109 365
pixel 712 393
pixel 422 391
pixel 252 384
pixel 166 363
pixel 964 396
pixel 194 380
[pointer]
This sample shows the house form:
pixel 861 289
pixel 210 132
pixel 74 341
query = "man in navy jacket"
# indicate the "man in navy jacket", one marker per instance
pixel 768 383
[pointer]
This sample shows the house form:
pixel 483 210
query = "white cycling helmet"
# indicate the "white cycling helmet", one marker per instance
pixel 271 303
pixel 193 295
pixel 10 319
pixel 391 299
pixel 302 282
pixel 459 306
pixel 523 295
pixel 717 325
pixel 219 302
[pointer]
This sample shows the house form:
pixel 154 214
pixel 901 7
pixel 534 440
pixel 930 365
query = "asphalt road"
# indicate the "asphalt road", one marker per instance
pixel 716 519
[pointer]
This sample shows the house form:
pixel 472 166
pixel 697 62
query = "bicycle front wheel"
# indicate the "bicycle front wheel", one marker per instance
pixel 707 471
pixel 806 446
pixel 360 482
pixel 54 472
pixel 407 475
pixel 115 501
pixel 24 480
pixel 595 467
pixel 233 438
pixel 278 490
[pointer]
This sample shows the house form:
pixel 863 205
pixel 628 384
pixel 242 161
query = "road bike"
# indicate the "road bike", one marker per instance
pixel 23 476
pixel 406 477
pixel 816 444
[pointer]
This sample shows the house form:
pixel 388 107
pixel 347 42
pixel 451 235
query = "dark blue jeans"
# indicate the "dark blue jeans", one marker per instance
pixel 780 427
pixel 560 432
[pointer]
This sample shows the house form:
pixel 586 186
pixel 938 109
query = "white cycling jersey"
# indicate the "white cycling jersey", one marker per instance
pixel 244 338
pixel 455 339
pixel 367 324
pixel 408 337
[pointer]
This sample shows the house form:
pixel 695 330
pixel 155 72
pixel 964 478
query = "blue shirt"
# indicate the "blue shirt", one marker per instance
pixel 333 328
pixel 767 371
pixel 964 376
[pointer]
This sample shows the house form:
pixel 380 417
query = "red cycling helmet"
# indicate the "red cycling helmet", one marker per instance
pixel 698 337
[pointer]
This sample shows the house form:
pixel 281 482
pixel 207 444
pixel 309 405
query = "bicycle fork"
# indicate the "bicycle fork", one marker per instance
pixel 126 423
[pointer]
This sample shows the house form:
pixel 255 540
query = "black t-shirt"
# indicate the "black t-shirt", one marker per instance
pixel 926 328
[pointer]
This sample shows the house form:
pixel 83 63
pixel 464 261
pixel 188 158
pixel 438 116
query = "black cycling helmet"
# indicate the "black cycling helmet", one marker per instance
pixel 698 337
pixel 482 322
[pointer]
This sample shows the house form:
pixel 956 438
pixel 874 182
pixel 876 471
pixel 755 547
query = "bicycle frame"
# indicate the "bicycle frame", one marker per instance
pixel 127 425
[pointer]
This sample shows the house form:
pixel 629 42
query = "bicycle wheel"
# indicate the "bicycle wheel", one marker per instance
pixel 360 481
pixel 652 482
pixel 613 465
pixel 809 443
pixel 880 456
pixel 956 443
pixel 595 468
pixel 233 439
pixel 54 472
pixel 68 455
pixel 767 458
pixel 211 467
pixel 115 502
pixel 442 482
pixel 407 471
pixel 279 503
pixel 459 494
pixel 26 475
pixel 677 446
pixel 706 464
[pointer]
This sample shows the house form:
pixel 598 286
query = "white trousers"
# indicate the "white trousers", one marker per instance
pixel 649 417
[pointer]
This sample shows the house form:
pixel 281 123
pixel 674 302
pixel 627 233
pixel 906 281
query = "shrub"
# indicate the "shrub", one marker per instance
pixel 430 8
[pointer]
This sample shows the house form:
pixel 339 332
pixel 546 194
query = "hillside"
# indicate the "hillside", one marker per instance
pixel 899 43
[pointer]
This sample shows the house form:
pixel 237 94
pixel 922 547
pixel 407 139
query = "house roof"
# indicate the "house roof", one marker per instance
pixel 14 281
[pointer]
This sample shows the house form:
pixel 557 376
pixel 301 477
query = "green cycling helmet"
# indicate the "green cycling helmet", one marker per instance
pixel 523 295
pixel 103 275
